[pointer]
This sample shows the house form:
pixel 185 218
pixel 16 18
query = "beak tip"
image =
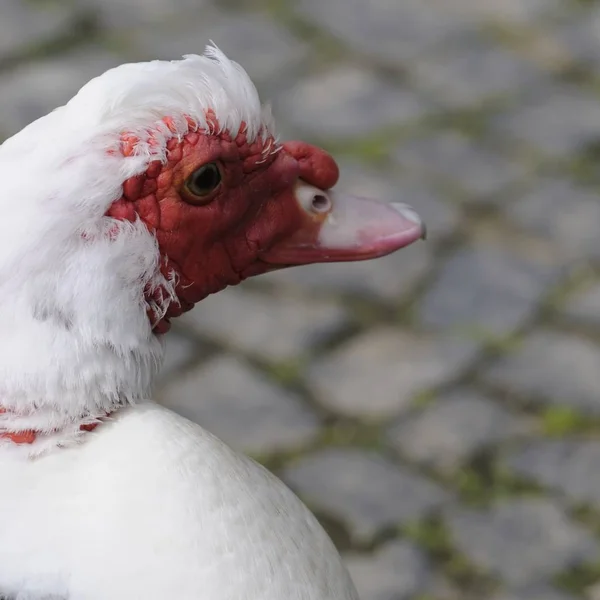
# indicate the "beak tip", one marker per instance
pixel 411 215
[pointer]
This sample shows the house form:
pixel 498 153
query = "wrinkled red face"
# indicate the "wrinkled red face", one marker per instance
pixel 223 210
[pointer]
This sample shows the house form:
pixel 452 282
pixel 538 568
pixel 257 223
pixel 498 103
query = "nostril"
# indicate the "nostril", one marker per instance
pixel 321 203
pixel 312 199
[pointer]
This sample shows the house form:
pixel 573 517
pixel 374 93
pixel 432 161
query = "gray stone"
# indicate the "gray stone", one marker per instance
pixel 378 374
pixel 513 12
pixel 26 23
pixel 387 29
pixel 593 592
pixel 474 71
pixel 119 15
pixel 264 48
pixel 347 101
pixel 569 466
pixel 276 327
pixel 241 407
pixel 563 213
pixel 579 35
pixel 487 289
pixel 584 307
pixel 468 164
pixel 551 368
pixel 534 592
pixel 521 541
pixel 458 424
pixel 398 570
pixel 180 350
pixel 35 89
pixel 363 489
pixel 557 121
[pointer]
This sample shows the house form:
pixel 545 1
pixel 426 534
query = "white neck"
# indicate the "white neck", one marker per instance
pixel 67 360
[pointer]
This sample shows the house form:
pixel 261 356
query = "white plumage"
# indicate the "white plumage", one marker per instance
pixel 154 507
pixel 58 179
pixel 148 506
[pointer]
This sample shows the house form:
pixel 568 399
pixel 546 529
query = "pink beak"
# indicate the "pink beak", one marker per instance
pixel 337 227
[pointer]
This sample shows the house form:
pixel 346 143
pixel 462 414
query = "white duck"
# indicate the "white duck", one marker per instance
pixel 157 184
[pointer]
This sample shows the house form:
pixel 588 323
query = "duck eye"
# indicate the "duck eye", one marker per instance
pixel 203 181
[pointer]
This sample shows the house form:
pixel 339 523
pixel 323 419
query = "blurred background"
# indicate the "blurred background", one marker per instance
pixel 438 409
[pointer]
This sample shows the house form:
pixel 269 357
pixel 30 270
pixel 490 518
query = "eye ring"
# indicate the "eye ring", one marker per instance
pixel 202 183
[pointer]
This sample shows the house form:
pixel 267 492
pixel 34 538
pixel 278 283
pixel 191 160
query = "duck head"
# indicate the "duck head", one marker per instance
pixel 157 184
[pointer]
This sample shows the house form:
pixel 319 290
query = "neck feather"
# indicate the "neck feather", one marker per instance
pixel 76 340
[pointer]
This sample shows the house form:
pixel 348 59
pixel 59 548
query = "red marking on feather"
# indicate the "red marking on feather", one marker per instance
pixel 29 436
pixel 22 437
pixel 128 144
pixel 192 125
pixel 212 121
pixel 170 123
pixel 89 427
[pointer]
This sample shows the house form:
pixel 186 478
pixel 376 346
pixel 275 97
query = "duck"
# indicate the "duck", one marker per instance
pixel 157 184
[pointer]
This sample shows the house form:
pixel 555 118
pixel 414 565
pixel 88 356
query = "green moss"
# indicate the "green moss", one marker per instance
pixel 340 434
pixel 364 311
pixel 472 487
pixel 578 579
pixel 373 149
pixel 588 517
pixel 492 342
pixel 473 123
pixel 424 399
pixel 461 571
pixel 484 481
pixel 287 372
pixel 432 535
pixel 558 421
pixel 48 3
pixel 352 433
pixel 579 280
pixel 276 461
pixel 336 530
pixel 584 167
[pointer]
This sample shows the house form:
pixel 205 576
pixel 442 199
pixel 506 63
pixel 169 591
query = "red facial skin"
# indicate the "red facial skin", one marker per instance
pixel 217 242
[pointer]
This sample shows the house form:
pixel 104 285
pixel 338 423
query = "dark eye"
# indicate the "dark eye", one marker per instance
pixel 203 181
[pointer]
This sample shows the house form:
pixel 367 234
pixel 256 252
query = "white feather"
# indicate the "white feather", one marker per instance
pixel 154 507
pixel 149 506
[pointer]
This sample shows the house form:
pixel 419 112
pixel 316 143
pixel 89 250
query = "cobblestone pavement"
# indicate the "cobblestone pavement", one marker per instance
pixel 439 409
